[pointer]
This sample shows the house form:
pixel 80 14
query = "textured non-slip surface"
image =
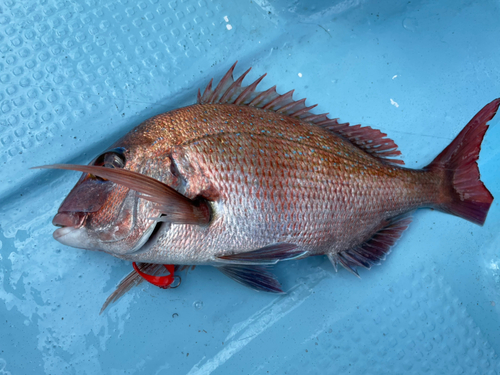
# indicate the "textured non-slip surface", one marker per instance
pixel 75 76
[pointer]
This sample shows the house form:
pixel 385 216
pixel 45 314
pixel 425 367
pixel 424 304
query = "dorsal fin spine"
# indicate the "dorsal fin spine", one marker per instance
pixel 278 100
pixel 256 101
pixel 219 89
pixel 287 108
pixel 229 91
pixel 233 87
pixel 302 111
pixel 248 91
pixel 207 91
pixel 316 118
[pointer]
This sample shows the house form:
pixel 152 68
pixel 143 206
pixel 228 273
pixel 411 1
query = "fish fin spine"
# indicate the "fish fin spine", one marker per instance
pixel 231 91
pixel 466 196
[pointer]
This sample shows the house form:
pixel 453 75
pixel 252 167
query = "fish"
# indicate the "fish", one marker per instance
pixel 244 179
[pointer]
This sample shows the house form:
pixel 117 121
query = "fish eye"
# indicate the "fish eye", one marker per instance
pixel 114 158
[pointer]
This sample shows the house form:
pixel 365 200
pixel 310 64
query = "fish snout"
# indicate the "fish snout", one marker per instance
pixel 69 219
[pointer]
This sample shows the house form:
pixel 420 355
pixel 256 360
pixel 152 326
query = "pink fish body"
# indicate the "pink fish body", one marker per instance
pixel 244 179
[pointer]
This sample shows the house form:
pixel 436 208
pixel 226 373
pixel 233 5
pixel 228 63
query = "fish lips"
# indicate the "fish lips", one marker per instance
pixel 69 232
pixel 79 237
pixel 69 219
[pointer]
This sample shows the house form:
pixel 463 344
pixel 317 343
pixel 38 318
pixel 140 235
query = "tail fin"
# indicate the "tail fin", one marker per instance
pixel 469 197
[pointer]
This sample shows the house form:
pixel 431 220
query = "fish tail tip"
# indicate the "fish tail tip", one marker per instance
pixel 468 197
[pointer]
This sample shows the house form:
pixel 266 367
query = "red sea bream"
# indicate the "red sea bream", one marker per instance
pixel 244 178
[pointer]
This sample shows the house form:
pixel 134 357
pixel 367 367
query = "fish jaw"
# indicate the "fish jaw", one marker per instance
pixel 80 237
pixel 116 231
pixel 74 237
pixel 72 231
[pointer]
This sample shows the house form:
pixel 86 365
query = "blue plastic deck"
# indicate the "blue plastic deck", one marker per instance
pixel 76 75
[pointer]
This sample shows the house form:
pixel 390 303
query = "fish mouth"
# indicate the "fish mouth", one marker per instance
pixel 69 219
pixel 69 222
pixel 70 233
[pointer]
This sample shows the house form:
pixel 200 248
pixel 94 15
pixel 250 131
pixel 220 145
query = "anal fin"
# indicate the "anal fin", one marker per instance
pixel 375 249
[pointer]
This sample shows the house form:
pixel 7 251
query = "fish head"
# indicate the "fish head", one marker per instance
pixel 99 214
pixel 127 191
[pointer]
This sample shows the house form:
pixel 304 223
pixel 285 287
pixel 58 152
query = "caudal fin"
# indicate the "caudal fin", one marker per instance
pixel 468 197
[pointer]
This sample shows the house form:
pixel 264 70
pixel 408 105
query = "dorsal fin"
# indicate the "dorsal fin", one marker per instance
pixel 229 91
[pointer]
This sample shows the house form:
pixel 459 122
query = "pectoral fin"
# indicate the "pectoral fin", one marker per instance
pixel 131 280
pixel 269 255
pixel 134 279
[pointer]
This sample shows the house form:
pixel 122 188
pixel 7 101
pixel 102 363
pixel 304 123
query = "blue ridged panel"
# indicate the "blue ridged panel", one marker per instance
pixel 76 75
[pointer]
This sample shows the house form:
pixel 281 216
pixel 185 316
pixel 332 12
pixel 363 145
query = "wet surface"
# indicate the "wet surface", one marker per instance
pixel 75 77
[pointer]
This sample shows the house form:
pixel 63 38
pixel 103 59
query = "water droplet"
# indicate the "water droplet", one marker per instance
pixel 410 23
pixel 198 305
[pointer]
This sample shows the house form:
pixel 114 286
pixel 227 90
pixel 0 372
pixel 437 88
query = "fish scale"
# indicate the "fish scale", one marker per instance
pixel 244 179
pixel 347 188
